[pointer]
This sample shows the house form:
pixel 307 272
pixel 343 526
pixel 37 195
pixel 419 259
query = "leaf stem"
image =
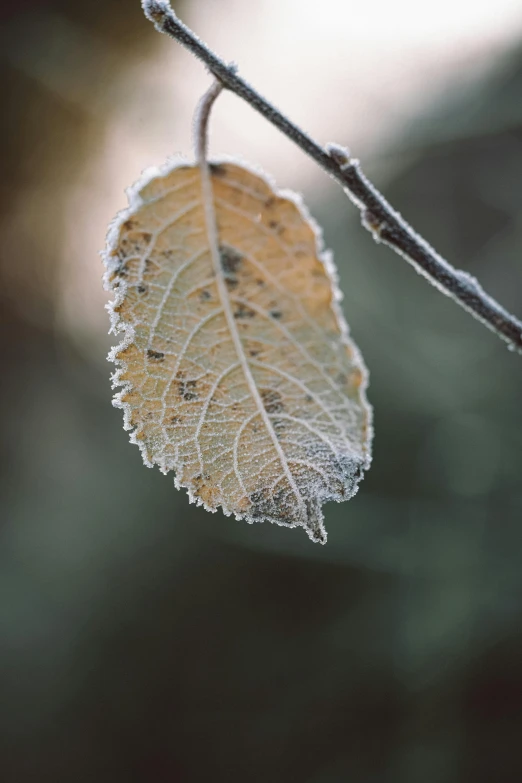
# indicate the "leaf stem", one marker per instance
pixel 378 216
pixel 201 120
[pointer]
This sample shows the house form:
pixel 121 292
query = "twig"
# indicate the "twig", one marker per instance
pixel 384 223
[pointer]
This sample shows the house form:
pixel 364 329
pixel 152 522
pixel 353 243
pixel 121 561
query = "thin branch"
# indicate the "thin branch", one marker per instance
pixel 378 216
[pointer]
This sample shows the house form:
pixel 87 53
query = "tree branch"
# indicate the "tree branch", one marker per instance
pixel 378 216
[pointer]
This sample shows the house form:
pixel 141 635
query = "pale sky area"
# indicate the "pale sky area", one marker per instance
pixel 345 71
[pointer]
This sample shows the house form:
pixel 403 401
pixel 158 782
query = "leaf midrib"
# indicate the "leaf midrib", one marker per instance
pixel 213 240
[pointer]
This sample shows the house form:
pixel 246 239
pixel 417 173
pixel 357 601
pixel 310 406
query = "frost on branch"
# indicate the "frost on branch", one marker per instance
pixel 236 368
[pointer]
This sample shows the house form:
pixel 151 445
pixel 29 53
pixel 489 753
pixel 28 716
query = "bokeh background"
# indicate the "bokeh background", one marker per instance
pixel 142 639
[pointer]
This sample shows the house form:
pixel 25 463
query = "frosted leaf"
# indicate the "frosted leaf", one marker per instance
pixel 236 366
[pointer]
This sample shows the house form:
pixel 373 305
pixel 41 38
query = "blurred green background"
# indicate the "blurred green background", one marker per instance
pixel 142 639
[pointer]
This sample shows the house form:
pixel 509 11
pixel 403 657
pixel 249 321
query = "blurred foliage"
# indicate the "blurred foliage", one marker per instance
pixel 146 640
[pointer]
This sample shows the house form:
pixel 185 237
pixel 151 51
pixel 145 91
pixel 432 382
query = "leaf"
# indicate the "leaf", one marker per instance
pixel 236 366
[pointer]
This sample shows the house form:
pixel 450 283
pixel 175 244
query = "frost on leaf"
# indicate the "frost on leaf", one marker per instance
pixel 236 366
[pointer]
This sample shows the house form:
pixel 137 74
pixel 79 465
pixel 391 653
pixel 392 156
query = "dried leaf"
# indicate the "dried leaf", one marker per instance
pixel 236 366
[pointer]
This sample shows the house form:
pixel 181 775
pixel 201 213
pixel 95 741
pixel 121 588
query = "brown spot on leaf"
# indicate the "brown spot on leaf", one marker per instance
pixel 230 259
pixel 186 390
pixel 277 227
pixel 277 314
pixel 272 401
pixel 279 427
pixel 244 312
pixel 158 356
pixel 217 169
pixel 121 269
